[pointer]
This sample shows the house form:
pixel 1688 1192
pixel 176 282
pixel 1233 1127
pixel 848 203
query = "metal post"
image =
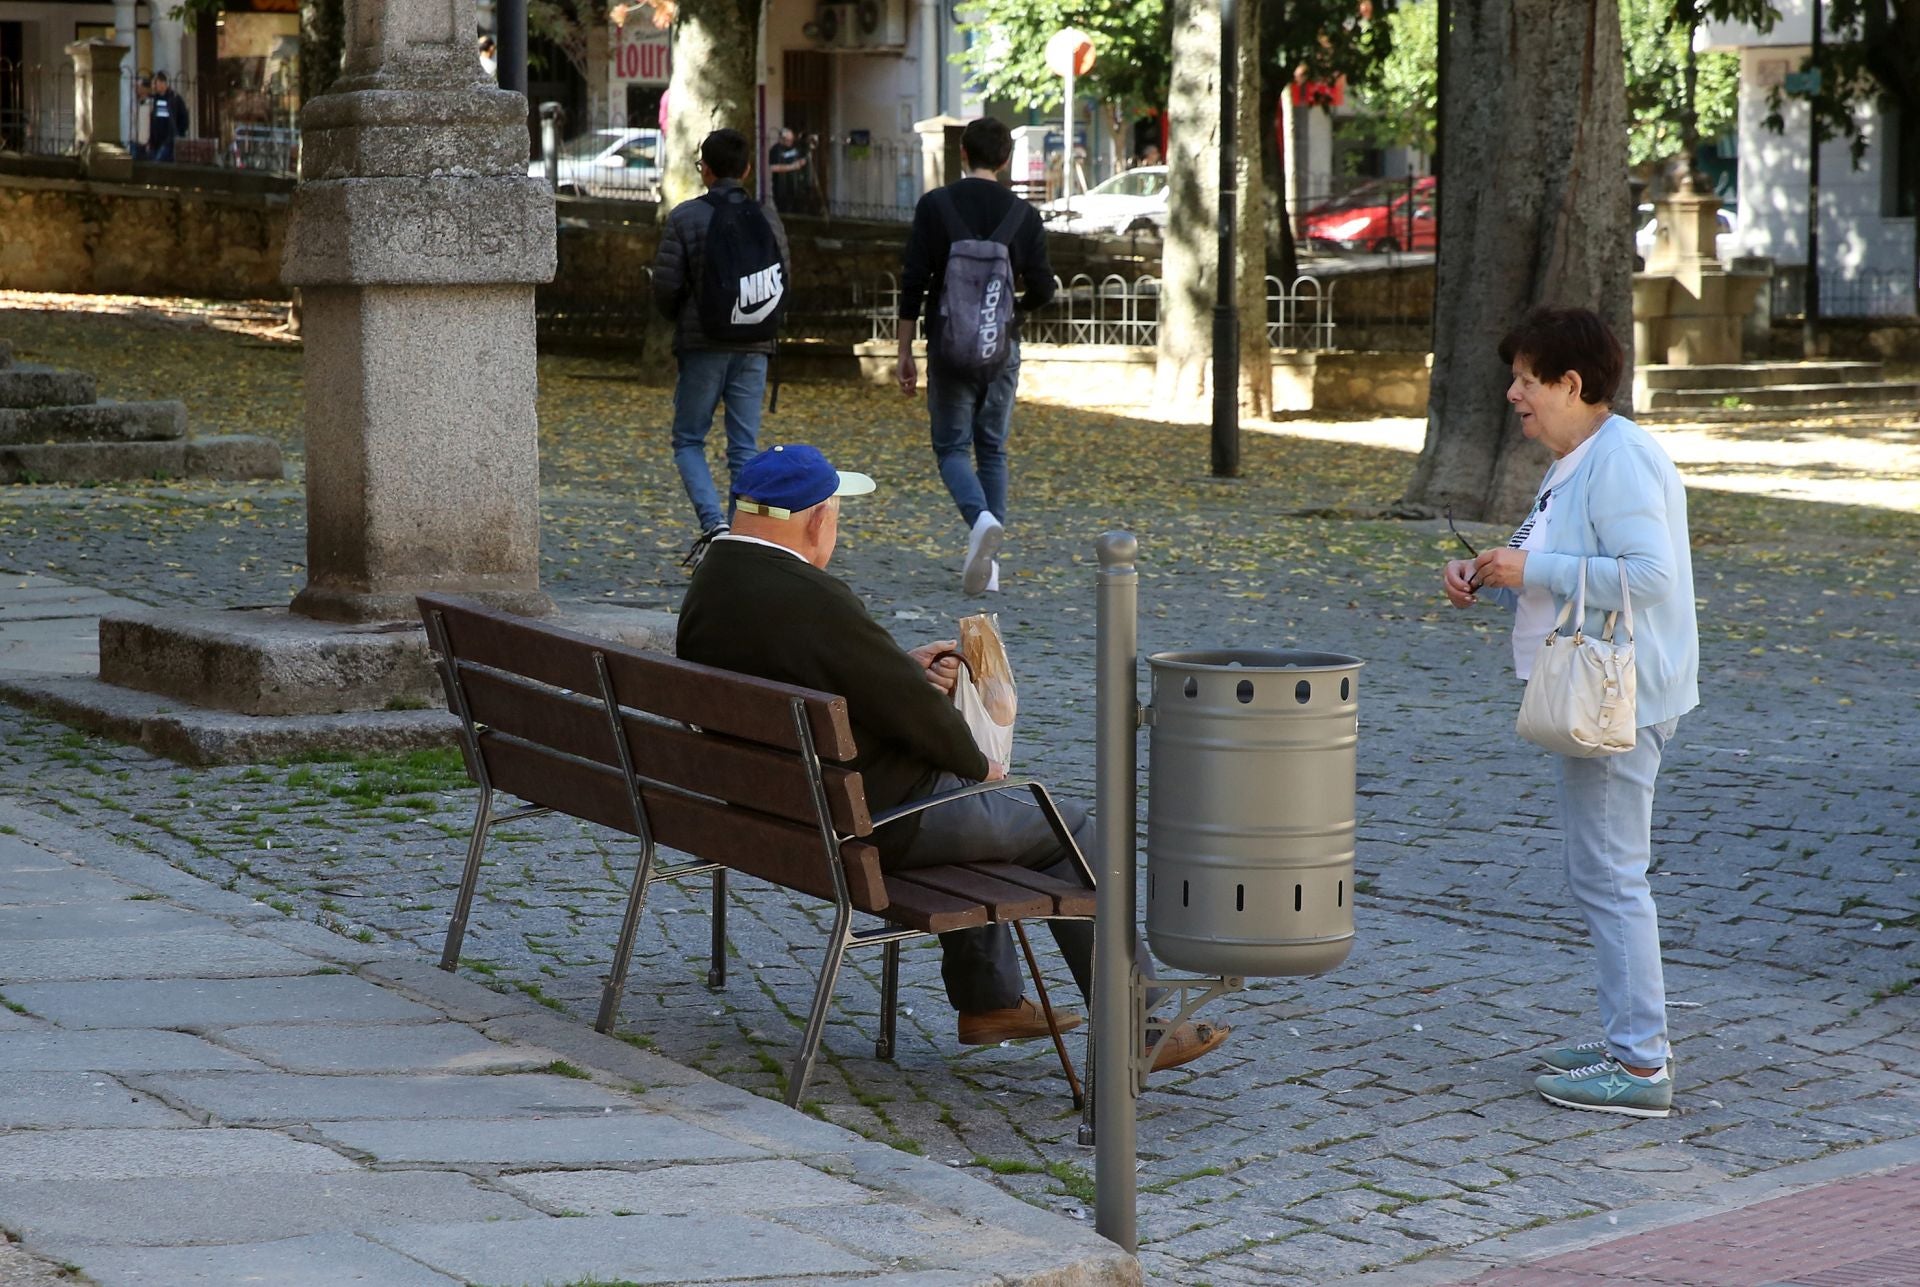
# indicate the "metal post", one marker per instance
pixel 1066 156
pixel 510 49
pixel 1810 315
pixel 1226 319
pixel 552 126
pixel 1115 1041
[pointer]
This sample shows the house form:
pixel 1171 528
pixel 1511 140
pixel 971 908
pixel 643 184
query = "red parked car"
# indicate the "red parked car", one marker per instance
pixel 1387 216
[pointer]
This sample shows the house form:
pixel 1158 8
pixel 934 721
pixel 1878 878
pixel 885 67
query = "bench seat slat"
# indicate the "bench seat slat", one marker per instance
pixel 1004 901
pixel 739 772
pixel 758 844
pixel 1070 898
pixel 717 700
pixel 934 911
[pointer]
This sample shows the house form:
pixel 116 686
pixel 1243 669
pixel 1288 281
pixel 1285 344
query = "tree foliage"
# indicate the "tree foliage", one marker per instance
pixel 1402 99
pixel 1871 56
pixel 1132 45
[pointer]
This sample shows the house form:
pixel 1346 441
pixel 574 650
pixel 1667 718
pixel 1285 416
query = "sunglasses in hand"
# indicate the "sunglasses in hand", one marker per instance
pixel 1473 584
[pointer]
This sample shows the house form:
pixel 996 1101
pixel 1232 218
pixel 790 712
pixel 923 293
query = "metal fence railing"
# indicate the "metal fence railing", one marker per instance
pixel 1113 310
pixel 36 109
pixel 1879 293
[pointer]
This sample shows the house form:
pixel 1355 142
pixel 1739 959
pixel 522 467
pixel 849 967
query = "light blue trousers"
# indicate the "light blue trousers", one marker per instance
pixel 1606 814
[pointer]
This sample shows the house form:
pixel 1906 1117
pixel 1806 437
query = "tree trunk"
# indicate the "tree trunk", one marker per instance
pixel 1283 256
pixel 1188 284
pixel 323 40
pixel 716 47
pixel 1535 212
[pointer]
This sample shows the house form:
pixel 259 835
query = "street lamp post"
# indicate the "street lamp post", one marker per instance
pixel 1810 315
pixel 510 49
pixel 1226 320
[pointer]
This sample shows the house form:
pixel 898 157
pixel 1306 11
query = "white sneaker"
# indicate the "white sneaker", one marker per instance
pixel 993 581
pixel 982 544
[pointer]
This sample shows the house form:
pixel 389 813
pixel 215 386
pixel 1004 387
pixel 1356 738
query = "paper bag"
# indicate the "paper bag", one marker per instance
pixel 983 691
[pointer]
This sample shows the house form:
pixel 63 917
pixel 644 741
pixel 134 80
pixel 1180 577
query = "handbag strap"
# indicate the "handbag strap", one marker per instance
pixel 1625 611
pixel 1575 608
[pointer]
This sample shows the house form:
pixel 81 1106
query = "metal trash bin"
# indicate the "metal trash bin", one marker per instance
pixel 1250 810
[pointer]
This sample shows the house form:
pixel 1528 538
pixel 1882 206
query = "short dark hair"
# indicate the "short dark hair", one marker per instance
pixel 160 75
pixel 726 153
pixel 987 142
pixel 1554 340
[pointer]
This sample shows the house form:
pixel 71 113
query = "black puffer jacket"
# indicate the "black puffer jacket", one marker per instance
pixel 678 265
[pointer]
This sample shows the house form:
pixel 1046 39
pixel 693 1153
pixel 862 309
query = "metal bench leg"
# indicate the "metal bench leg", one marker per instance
pixel 889 999
pixel 1046 1008
pixel 817 1020
pixel 623 952
pixel 469 878
pixel 717 961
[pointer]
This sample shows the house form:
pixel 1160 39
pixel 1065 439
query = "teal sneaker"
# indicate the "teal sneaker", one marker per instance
pixel 1569 1058
pixel 1606 1087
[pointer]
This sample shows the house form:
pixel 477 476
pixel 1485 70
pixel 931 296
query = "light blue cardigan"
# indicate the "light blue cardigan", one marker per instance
pixel 1625 501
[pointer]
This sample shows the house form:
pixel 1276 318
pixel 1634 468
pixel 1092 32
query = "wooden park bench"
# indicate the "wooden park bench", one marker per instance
pixel 737 773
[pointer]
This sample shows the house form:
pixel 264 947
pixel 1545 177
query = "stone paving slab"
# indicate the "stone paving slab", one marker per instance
pixel 212 955
pixel 48 1099
pixel 132 1154
pixel 214 1003
pixel 249 1098
pixel 76 920
pixel 59 1050
pixel 638 1248
pixel 755 1187
pixel 600 1139
pixel 376 1048
pixel 33 888
pixel 321 1260
pixel 265 1207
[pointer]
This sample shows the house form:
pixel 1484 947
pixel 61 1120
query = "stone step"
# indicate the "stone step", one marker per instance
pixel 1864 393
pixel 43 386
pixel 6 353
pixel 95 422
pixel 226 458
pixel 1749 375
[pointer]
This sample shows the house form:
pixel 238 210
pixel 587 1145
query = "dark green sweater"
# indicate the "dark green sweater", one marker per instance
pixel 765 612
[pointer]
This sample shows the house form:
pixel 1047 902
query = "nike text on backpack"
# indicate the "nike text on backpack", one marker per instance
pixel 743 286
pixel 976 294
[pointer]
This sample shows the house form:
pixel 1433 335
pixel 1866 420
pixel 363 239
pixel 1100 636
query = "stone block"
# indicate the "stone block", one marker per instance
pixel 116 1051
pixel 382 1048
pixel 388 133
pixel 6 353
pixel 38 886
pixel 251 1208
pixel 616 1139
pixel 127 1154
pixel 322 1260
pixel 215 1003
pixel 255 1098
pixel 41 1100
pixel 80 920
pixel 690 1190
pixel 637 1249
pixel 92 462
pixel 222 954
pixel 24 387
pixel 267 661
pixel 434 483
pixel 234 458
pixel 411 230
pixel 94 422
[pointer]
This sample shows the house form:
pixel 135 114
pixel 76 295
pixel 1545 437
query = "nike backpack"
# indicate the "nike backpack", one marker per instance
pixel 976 295
pixel 743 286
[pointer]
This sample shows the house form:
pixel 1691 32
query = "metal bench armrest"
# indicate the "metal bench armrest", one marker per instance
pixel 948 797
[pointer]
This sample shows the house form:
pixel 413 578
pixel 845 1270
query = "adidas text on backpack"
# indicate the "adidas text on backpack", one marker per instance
pixel 743 286
pixel 976 294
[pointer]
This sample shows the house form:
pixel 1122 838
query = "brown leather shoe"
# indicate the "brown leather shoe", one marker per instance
pixel 1188 1042
pixel 991 1027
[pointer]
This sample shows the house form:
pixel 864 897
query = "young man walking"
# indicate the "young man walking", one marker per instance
pixel 166 119
pixel 721 276
pixel 973 349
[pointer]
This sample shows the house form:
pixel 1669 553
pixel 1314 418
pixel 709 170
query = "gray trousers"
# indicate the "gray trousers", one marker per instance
pixel 980 967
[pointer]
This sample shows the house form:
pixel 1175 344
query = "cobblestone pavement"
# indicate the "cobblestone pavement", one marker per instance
pixel 1381 1113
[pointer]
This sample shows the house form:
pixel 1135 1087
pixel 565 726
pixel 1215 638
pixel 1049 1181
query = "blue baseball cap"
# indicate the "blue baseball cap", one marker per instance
pixel 781 481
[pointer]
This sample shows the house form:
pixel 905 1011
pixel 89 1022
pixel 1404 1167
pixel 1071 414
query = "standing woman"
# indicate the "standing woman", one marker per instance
pixel 1613 500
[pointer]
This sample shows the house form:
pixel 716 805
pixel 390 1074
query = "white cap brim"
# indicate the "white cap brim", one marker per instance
pixel 853 484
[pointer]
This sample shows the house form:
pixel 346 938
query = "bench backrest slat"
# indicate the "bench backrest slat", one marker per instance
pixel 718 701
pixel 731 770
pixel 787 853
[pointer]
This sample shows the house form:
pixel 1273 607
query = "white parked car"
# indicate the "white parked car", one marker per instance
pixel 1724 244
pixel 606 163
pixel 1133 201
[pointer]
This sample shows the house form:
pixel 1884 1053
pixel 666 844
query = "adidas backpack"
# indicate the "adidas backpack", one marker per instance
pixel 743 286
pixel 976 294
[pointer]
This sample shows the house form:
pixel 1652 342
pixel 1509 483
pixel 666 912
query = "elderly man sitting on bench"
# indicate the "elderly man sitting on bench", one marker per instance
pixel 762 603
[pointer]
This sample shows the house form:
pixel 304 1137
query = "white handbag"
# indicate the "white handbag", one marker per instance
pixel 1580 697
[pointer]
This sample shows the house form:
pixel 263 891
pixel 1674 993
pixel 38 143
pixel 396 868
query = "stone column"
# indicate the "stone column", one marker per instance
pixel 939 151
pixel 96 109
pixel 416 239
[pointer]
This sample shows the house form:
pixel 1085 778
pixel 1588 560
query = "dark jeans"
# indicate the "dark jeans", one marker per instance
pixel 708 378
pixel 967 417
pixel 161 151
pixel 980 966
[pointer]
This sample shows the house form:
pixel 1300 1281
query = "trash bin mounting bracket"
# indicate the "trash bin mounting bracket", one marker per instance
pixel 1193 993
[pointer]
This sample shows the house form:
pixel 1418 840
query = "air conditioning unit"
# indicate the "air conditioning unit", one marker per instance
pixel 882 24
pixel 835 26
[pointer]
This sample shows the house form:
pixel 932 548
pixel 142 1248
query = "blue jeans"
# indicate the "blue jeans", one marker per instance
pixel 709 377
pixel 966 414
pixel 1606 814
